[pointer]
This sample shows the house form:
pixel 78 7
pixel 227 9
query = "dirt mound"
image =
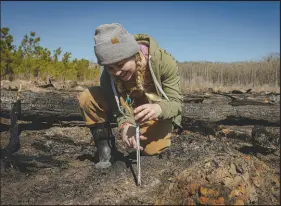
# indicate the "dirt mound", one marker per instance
pixel 223 179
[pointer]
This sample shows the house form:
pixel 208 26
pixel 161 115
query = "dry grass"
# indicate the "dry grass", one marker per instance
pixel 259 76
pixel 195 77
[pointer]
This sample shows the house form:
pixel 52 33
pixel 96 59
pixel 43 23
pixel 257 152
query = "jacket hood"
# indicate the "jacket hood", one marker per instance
pixel 153 45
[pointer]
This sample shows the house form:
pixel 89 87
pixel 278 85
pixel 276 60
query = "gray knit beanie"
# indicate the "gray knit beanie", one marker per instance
pixel 114 44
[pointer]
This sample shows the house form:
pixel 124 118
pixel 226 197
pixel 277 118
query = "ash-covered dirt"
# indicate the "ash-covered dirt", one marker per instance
pixel 55 165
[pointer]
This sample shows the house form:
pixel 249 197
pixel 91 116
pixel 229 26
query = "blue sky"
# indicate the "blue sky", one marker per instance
pixel 190 31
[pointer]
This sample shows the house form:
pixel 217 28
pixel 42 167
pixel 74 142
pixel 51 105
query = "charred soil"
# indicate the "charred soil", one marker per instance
pixel 56 166
pixel 207 164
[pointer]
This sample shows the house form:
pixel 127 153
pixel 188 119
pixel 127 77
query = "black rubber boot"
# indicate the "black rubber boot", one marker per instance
pixel 105 144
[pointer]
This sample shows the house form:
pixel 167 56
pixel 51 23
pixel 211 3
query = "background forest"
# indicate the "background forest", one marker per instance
pixel 31 61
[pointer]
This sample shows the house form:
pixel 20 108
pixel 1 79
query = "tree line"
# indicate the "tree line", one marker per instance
pixel 31 60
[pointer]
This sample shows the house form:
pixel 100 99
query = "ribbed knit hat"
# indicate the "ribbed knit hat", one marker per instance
pixel 114 44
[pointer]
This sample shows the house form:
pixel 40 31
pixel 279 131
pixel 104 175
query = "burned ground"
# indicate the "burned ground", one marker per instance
pixel 55 166
pixel 226 162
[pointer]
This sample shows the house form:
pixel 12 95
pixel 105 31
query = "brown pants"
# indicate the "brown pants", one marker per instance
pixel 95 109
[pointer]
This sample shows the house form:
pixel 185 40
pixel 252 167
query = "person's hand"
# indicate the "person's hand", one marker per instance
pixel 128 134
pixel 147 112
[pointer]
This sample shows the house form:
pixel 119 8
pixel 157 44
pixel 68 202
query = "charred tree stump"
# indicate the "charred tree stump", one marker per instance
pixel 14 141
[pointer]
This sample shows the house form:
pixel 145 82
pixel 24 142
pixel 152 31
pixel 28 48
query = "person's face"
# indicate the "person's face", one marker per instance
pixel 124 69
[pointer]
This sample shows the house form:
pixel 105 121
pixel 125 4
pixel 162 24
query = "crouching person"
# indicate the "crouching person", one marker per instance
pixel 140 83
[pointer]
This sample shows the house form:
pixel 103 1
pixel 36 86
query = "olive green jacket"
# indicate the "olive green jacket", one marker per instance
pixel 165 69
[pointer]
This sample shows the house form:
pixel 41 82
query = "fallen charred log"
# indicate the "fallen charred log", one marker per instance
pixel 45 107
pixel 56 106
